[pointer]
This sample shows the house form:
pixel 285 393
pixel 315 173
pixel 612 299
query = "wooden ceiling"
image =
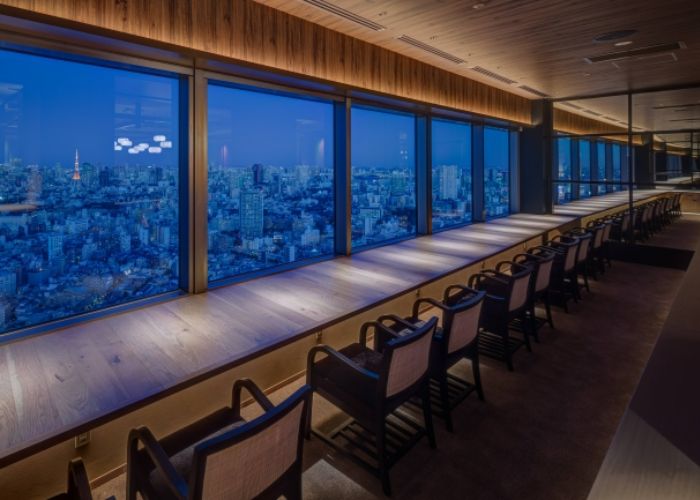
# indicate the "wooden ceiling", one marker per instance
pixel 541 44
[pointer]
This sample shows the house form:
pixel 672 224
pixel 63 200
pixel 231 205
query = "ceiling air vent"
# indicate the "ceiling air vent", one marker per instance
pixel 591 112
pixel 533 91
pixel 493 75
pixel 431 49
pixel 639 53
pixel 571 105
pixel 338 11
pixel 678 107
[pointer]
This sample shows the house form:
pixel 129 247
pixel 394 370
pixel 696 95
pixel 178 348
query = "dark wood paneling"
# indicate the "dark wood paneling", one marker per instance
pixel 244 30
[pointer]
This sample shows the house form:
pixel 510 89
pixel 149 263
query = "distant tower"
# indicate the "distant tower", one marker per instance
pixel 76 168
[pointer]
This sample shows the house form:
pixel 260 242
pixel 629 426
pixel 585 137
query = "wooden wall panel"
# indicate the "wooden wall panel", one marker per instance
pixel 571 123
pixel 247 31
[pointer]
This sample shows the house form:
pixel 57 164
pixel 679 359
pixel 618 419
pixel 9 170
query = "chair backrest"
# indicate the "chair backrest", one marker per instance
pixel 545 260
pixel 244 462
pixel 625 224
pixel 584 245
pixel 460 322
pixel 407 358
pixel 569 246
pixel 606 231
pixel 520 288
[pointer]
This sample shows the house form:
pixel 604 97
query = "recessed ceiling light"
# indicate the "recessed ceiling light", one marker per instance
pixel 623 43
pixel 586 74
pixel 479 5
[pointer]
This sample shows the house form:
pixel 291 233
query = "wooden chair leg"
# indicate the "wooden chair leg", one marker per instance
pixel 526 334
pixel 507 353
pixel 476 371
pixel 445 399
pixel 381 457
pixel 428 417
pixel 548 309
pixel 533 322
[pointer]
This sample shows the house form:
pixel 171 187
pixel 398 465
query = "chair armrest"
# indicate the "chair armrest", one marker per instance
pixel 253 390
pixel 447 295
pixel 160 459
pixel 78 482
pixel 396 319
pixel 339 358
pixel 378 328
pixel 427 300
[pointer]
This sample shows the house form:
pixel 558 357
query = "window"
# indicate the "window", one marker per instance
pixel 89 169
pixel 451 174
pixel 673 165
pixel 270 180
pixel 617 166
pixel 383 176
pixel 602 166
pixel 496 172
pixel 563 194
pixel 584 155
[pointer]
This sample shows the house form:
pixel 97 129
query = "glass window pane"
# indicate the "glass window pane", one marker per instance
pixel 496 172
pixel 584 155
pixel 383 176
pixel 600 151
pixel 563 193
pixel 452 173
pixel 270 180
pixel 88 187
pixel 617 165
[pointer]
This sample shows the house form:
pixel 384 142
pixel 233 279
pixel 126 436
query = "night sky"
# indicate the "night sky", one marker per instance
pixel 60 105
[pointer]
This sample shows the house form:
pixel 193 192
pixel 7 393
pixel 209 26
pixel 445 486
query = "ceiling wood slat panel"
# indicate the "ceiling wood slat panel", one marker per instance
pixel 248 31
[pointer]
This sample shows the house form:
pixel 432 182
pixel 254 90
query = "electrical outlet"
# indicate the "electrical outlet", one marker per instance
pixel 319 336
pixel 418 293
pixel 82 440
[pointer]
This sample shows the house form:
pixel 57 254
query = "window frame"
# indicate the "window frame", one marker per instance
pixel 472 220
pixel 55 50
pixel 418 165
pixel 206 78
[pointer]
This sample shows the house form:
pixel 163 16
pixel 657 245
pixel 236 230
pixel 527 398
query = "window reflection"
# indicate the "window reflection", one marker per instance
pixel 451 173
pixel 602 166
pixel 563 190
pixel 88 187
pixel 383 176
pixel 584 168
pixel 496 172
pixel 270 180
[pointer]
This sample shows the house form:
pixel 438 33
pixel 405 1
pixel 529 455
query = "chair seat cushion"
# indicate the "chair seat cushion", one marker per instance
pixel 182 461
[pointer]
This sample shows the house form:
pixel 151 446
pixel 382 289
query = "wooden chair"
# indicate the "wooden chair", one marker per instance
pixel 455 339
pixel 222 455
pixel 603 258
pixel 78 483
pixel 542 258
pixel 507 298
pixel 620 228
pixel 595 253
pixel 583 255
pixel 370 385
pixel 564 281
